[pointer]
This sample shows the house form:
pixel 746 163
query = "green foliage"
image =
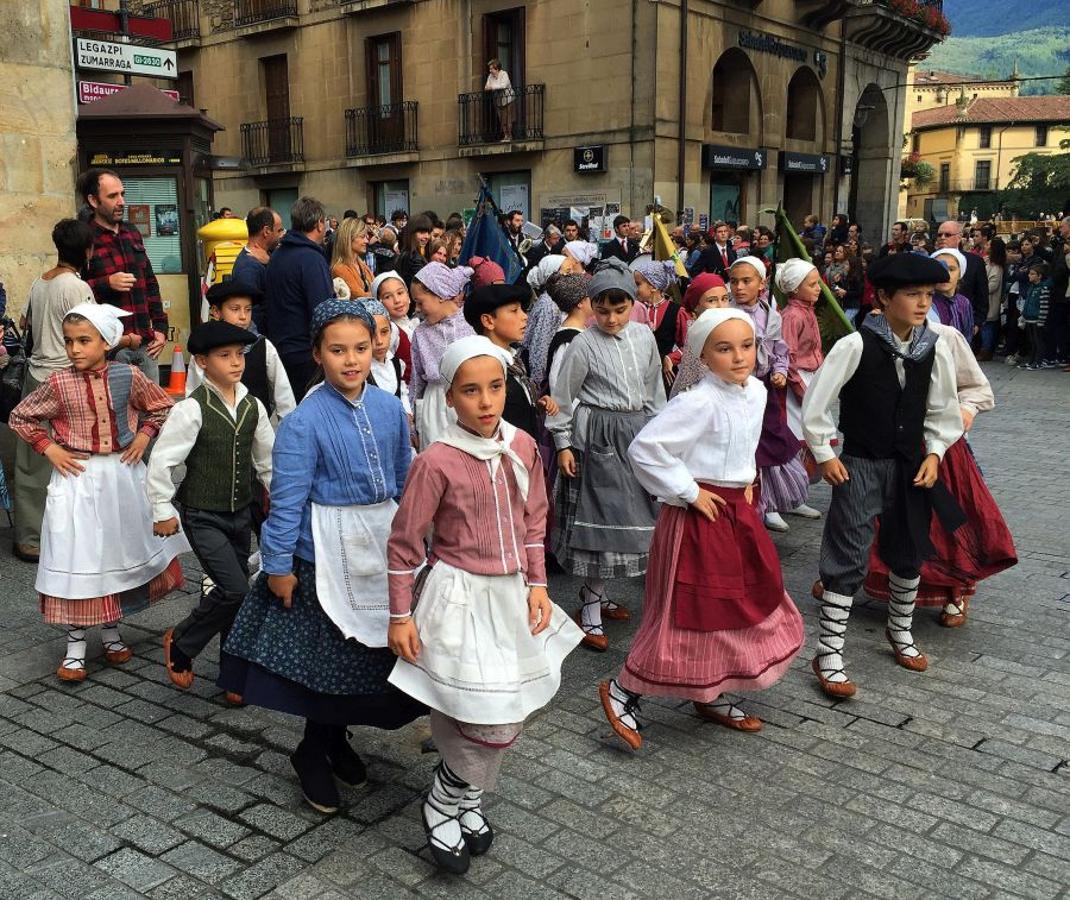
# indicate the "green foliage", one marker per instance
pixel 1036 180
pixel 972 19
pixel 1040 51
pixel 1064 83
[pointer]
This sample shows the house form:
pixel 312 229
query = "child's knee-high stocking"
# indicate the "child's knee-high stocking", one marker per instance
pixel 902 594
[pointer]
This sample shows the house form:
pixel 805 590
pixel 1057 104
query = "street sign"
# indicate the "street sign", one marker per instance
pixel 88 91
pixel 131 59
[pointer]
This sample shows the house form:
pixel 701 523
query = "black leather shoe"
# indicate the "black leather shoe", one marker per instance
pixel 317 783
pixel 478 841
pixel 347 766
pixel 26 553
pixel 455 860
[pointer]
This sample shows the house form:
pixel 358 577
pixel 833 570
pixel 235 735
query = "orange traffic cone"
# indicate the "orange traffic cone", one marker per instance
pixel 177 384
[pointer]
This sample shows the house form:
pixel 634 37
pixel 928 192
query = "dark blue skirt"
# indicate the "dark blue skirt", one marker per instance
pixel 297 661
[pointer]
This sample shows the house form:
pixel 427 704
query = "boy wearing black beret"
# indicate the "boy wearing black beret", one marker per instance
pixel 899 411
pixel 221 433
pixel 499 312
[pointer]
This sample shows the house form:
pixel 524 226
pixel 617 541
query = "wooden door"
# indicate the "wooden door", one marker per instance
pixel 503 39
pixel 385 115
pixel 277 101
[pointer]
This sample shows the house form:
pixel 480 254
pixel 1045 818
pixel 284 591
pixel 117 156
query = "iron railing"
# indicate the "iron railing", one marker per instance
pixel 485 117
pixel 273 142
pixel 249 12
pixel 185 16
pixel 381 129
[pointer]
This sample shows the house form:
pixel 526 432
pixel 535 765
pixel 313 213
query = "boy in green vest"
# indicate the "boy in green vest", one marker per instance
pixel 221 433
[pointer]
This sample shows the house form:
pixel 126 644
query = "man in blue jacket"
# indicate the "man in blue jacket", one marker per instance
pixel 298 280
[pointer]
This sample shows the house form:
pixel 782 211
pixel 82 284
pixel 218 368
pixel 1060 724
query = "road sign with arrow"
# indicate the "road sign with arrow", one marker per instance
pixel 131 59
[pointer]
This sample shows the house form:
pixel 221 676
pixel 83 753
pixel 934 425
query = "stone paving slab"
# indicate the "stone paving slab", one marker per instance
pixel 952 783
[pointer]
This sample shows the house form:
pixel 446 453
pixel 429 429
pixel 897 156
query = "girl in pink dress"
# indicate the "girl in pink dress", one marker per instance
pixel 712 621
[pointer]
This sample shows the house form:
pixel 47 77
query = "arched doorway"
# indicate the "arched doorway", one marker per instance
pixel 871 170
pixel 804 120
pixel 735 113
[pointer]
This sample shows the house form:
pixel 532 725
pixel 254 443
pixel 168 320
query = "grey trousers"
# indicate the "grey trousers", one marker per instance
pixel 32 474
pixel 474 752
pixel 150 368
pixel 849 525
pixel 221 543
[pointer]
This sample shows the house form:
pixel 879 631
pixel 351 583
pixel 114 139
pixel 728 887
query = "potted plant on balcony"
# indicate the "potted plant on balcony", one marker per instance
pixel 914 169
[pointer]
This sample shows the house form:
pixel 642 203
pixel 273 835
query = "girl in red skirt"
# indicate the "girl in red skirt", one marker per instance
pixel 983 546
pixel 716 617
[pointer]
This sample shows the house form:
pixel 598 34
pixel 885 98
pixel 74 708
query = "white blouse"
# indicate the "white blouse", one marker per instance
pixel 709 433
pixel 974 389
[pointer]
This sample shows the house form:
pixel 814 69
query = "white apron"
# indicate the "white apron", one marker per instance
pixel 96 538
pixel 351 581
pixel 433 416
pixel 479 661
pixel 794 405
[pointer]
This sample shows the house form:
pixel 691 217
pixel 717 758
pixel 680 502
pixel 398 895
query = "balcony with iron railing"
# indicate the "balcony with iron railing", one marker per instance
pixel 274 143
pixel 513 119
pixel 254 16
pixel 904 29
pixel 185 18
pixel 382 130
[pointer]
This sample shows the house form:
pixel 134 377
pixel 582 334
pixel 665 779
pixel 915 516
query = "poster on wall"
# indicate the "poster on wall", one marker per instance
pixel 395 200
pixel 514 196
pixel 166 219
pixel 137 214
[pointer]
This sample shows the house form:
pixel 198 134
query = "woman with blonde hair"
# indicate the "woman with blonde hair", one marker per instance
pixel 347 260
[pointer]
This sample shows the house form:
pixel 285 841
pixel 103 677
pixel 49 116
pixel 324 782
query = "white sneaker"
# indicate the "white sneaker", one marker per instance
pixel 807 512
pixel 774 522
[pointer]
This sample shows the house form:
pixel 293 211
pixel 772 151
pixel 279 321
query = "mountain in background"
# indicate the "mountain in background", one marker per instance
pixel 983 43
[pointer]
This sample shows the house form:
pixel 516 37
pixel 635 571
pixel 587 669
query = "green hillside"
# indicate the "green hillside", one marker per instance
pixel 972 19
pixel 1040 51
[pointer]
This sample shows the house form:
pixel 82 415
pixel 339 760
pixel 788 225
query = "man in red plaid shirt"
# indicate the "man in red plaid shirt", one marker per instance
pixel 119 271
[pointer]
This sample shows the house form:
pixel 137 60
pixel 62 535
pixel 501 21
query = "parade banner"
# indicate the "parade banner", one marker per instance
pixel 485 237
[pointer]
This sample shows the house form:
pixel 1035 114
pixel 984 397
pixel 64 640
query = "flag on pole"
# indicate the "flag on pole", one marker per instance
pixel 664 248
pixel 831 318
pixel 486 238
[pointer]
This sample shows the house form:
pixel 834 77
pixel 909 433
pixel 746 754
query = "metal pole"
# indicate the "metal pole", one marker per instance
pixel 124 30
pixel 681 151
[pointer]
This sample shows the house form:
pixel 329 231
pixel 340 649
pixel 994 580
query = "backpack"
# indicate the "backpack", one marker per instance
pixel 12 377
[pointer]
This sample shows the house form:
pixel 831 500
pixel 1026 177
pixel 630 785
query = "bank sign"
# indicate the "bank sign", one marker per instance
pixel 809 163
pixel 714 156
pixel 130 59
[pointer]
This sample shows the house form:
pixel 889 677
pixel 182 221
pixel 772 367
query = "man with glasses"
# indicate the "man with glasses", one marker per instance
pixel 974 282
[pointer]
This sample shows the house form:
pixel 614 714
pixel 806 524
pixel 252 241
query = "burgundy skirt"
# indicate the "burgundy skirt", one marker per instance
pixel 715 614
pixel 980 548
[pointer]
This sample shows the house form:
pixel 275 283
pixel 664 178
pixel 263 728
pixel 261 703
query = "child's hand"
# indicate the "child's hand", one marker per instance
pixel 548 405
pixel 667 371
pixel 968 416
pixel 403 638
pixel 566 462
pixel 930 468
pixel 834 472
pixel 166 528
pixel 135 450
pixel 748 494
pixel 282 586
pixel 539 609
pixel 778 380
pixel 63 461
pixel 708 504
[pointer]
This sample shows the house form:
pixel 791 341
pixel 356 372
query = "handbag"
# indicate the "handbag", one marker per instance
pixel 14 374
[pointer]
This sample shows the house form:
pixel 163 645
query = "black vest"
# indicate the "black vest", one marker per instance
pixel 878 418
pixel 255 376
pixel 397 377
pixel 562 339
pixel 665 333
pixel 519 410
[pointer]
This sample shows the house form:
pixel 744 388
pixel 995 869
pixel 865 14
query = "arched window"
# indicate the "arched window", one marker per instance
pixel 734 87
pixel 804 106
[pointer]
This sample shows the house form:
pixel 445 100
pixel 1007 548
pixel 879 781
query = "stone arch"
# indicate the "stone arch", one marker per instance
pixel 736 99
pixel 872 151
pixel 804 118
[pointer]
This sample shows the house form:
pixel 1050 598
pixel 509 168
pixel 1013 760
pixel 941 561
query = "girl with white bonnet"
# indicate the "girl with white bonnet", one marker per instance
pixel 93 422
pixel 544 318
pixel 713 622
pixel 484 646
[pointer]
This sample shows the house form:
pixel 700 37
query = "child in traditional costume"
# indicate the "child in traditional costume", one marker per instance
pixel 310 638
pixel 439 292
pixel 387 371
pixel 951 307
pixel 706 291
pixel 785 484
pixel 485 644
pixel 390 290
pixel 984 545
pixel 222 434
pixel 571 293
pixel 99 559
pixel 716 617
pixel 899 412
pixel 609 387
pixel 666 318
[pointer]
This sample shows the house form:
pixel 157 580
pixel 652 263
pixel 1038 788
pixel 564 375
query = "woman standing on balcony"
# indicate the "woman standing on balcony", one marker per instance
pixel 347 260
pixel 498 81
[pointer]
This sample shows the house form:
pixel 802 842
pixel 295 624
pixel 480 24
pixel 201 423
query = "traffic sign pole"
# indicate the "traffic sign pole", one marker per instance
pixel 124 29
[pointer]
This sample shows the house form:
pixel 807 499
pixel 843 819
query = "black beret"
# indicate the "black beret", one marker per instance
pixel 488 298
pixel 224 290
pixel 209 335
pixel 898 270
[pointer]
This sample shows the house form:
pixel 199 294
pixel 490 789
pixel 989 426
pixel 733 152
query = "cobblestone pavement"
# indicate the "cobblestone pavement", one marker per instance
pixel 951 783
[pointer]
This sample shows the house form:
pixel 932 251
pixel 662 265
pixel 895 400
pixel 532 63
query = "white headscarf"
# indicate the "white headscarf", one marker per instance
pixel 538 276
pixel 458 353
pixel 379 279
pixel 754 262
pixel 582 251
pixel 705 325
pixel 105 318
pixel 951 251
pixel 791 273
pixel 341 289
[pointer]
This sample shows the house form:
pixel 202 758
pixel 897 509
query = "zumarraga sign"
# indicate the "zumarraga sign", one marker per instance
pixel 131 59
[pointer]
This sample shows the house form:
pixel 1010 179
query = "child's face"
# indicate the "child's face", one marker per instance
pixel 1027 248
pixel 235 310
pixel 746 284
pixel 395 297
pixel 85 347
pixel 477 395
pixel 344 350
pixel 440 255
pixel 953 274
pixel 429 304
pixel 810 289
pixel 645 291
pixel 611 316
pixel 907 307
pixel 714 298
pixel 730 352
pixel 223 365
pixel 382 338
pixel 506 325
pixel 1034 276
